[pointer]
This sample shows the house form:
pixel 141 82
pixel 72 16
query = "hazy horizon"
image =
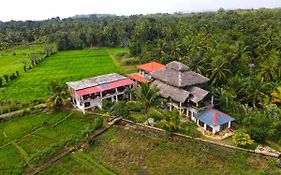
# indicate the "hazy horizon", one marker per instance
pixel 35 10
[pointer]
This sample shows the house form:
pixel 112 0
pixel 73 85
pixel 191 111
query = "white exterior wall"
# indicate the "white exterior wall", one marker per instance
pixel 216 129
pixel 97 102
pixel 193 112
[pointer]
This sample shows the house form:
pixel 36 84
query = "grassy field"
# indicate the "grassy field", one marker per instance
pixel 127 151
pixel 62 66
pixel 34 137
pixel 13 59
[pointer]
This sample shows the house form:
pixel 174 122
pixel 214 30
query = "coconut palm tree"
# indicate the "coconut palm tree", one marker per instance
pixel 276 95
pixel 268 69
pixel 148 96
pixel 58 95
pixel 255 90
pixel 196 63
pixel 170 121
pixel 219 70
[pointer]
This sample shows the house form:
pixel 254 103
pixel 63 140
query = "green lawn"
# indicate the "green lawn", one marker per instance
pixel 62 66
pixel 25 139
pixel 130 151
pixel 10 63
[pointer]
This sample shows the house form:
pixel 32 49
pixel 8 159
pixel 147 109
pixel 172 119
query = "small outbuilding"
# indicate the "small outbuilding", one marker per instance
pixel 213 120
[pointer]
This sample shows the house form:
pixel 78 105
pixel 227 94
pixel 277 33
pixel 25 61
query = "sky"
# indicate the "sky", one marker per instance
pixel 45 9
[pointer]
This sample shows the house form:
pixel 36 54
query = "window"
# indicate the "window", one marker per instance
pixel 87 104
pixel 85 97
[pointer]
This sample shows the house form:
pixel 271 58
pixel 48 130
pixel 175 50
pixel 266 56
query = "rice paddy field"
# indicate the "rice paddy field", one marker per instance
pixel 12 60
pixel 128 151
pixel 24 140
pixel 63 66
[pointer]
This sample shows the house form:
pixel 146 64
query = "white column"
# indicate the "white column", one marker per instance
pixel 205 126
pixel 170 106
pixel 180 107
pixel 101 95
pixel 212 99
pixel 213 130
pixel 130 94
pixel 229 124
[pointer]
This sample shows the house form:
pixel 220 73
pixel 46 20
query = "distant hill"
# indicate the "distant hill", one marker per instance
pixel 81 16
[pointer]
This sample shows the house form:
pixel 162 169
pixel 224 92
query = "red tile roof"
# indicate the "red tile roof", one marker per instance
pixel 152 66
pixel 138 77
pixel 104 87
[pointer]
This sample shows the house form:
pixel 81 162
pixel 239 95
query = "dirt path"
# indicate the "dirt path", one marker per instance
pixel 116 62
pixel 6 115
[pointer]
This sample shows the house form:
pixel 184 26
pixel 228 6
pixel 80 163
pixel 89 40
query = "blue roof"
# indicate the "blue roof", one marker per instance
pixel 213 117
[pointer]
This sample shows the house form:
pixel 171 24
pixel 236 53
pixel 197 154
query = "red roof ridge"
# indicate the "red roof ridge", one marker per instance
pixel 215 118
pixel 215 110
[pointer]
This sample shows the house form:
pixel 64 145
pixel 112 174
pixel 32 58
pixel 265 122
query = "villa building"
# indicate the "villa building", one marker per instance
pixel 182 87
pixel 89 93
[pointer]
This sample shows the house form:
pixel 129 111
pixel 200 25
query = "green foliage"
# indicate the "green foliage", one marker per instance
pixel 276 95
pixel 58 96
pixel 1 81
pixel 170 121
pixel 107 104
pixel 148 96
pixel 240 138
pixel 119 109
pixel 130 61
pixel 190 129
pixel 6 77
pixel 154 113
pixel 134 106
pixel 12 76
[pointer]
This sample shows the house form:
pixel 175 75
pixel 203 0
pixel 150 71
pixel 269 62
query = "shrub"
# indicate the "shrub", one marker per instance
pixel 154 113
pixel 123 55
pixel 106 104
pixel 190 129
pixel 240 138
pixel 6 77
pixel 119 109
pixel 1 81
pixel 17 73
pixel 12 76
pixel 134 106
pixel 130 61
